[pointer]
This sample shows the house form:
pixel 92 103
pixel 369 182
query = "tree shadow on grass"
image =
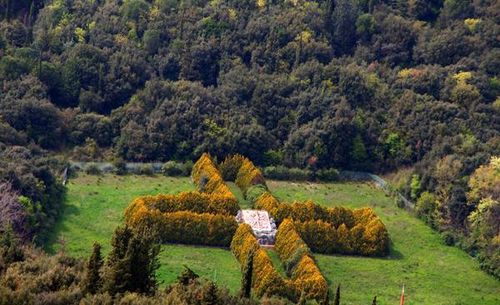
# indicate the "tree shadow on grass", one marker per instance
pixel 53 238
pixel 394 254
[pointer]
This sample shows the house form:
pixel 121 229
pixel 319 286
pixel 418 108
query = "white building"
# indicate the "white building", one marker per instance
pixel 262 225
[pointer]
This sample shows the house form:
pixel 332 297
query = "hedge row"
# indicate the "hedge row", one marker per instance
pixel 299 264
pixel 308 210
pixel 331 230
pixel 249 175
pixel 184 226
pixel 230 166
pixel 208 179
pixel 187 201
pixel 265 278
pixel 368 239
pixel 297 174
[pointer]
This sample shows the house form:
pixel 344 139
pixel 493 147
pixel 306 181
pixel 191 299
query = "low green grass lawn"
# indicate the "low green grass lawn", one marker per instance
pixel 95 206
pixel 433 273
pixel 243 203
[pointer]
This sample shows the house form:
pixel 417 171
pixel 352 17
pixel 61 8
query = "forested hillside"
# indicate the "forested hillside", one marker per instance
pixel 374 85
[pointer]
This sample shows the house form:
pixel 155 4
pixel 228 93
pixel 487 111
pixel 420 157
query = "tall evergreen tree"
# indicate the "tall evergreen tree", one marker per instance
pixel 246 280
pixel 92 282
pixel 132 263
pixel 344 18
pixel 336 300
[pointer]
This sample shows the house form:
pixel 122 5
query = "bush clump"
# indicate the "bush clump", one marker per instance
pixel 176 169
pixel 93 169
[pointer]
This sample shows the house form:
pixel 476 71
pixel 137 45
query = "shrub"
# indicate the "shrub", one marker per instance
pixel 120 166
pixel 185 227
pixel 276 172
pixel 248 176
pixel 174 169
pixel 298 174
pixel 328 174
pixel 284 173
pixel 93 169
pixel 230 166
pixel 296 257
pixel 266 279
pixel 146 169
pixel 331 230
pixel 267 202
pixel 370 239
pixel 426 207
pixel 254 192
pixel 186 201
pixel 208 179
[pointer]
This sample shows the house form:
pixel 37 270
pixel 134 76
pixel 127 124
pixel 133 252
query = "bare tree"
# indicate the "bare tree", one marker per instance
pixel 12 213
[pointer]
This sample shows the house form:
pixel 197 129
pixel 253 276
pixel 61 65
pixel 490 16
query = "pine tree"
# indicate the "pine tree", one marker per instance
pixel 92 282
pixel 142 261
pixel 246 280
pixel 115 275
pixel 336 300
pixel 374 302
pixel 209 294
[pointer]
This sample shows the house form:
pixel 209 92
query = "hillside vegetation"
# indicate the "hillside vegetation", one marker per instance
pixel 373 85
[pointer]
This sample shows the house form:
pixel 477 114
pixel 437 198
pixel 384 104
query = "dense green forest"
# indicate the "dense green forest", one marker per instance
pixel 407 86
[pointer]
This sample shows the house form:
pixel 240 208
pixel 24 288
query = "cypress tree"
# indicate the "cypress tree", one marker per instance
pixel 141 260
pixel 132 263
pixel 115 275
pixel 246 280
pixel 92 282
pixel 336 300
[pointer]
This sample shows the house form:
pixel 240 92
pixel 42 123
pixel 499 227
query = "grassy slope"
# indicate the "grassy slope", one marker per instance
pixel 433 273
pixel 95 207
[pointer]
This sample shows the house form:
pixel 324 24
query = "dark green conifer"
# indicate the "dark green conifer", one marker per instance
pixel 246 280
pixel 132 263
pixel 92 282
pixel 336 300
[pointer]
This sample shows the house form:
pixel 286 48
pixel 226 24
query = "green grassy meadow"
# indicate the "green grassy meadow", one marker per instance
pixel 433 273
pixel 95 206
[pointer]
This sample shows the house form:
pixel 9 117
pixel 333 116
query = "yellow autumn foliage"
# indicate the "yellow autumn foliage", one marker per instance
pixel 265 278
pixel 184 227
pixel 297 258
pixel 248 176
pixel 208 179
pixel 186 201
